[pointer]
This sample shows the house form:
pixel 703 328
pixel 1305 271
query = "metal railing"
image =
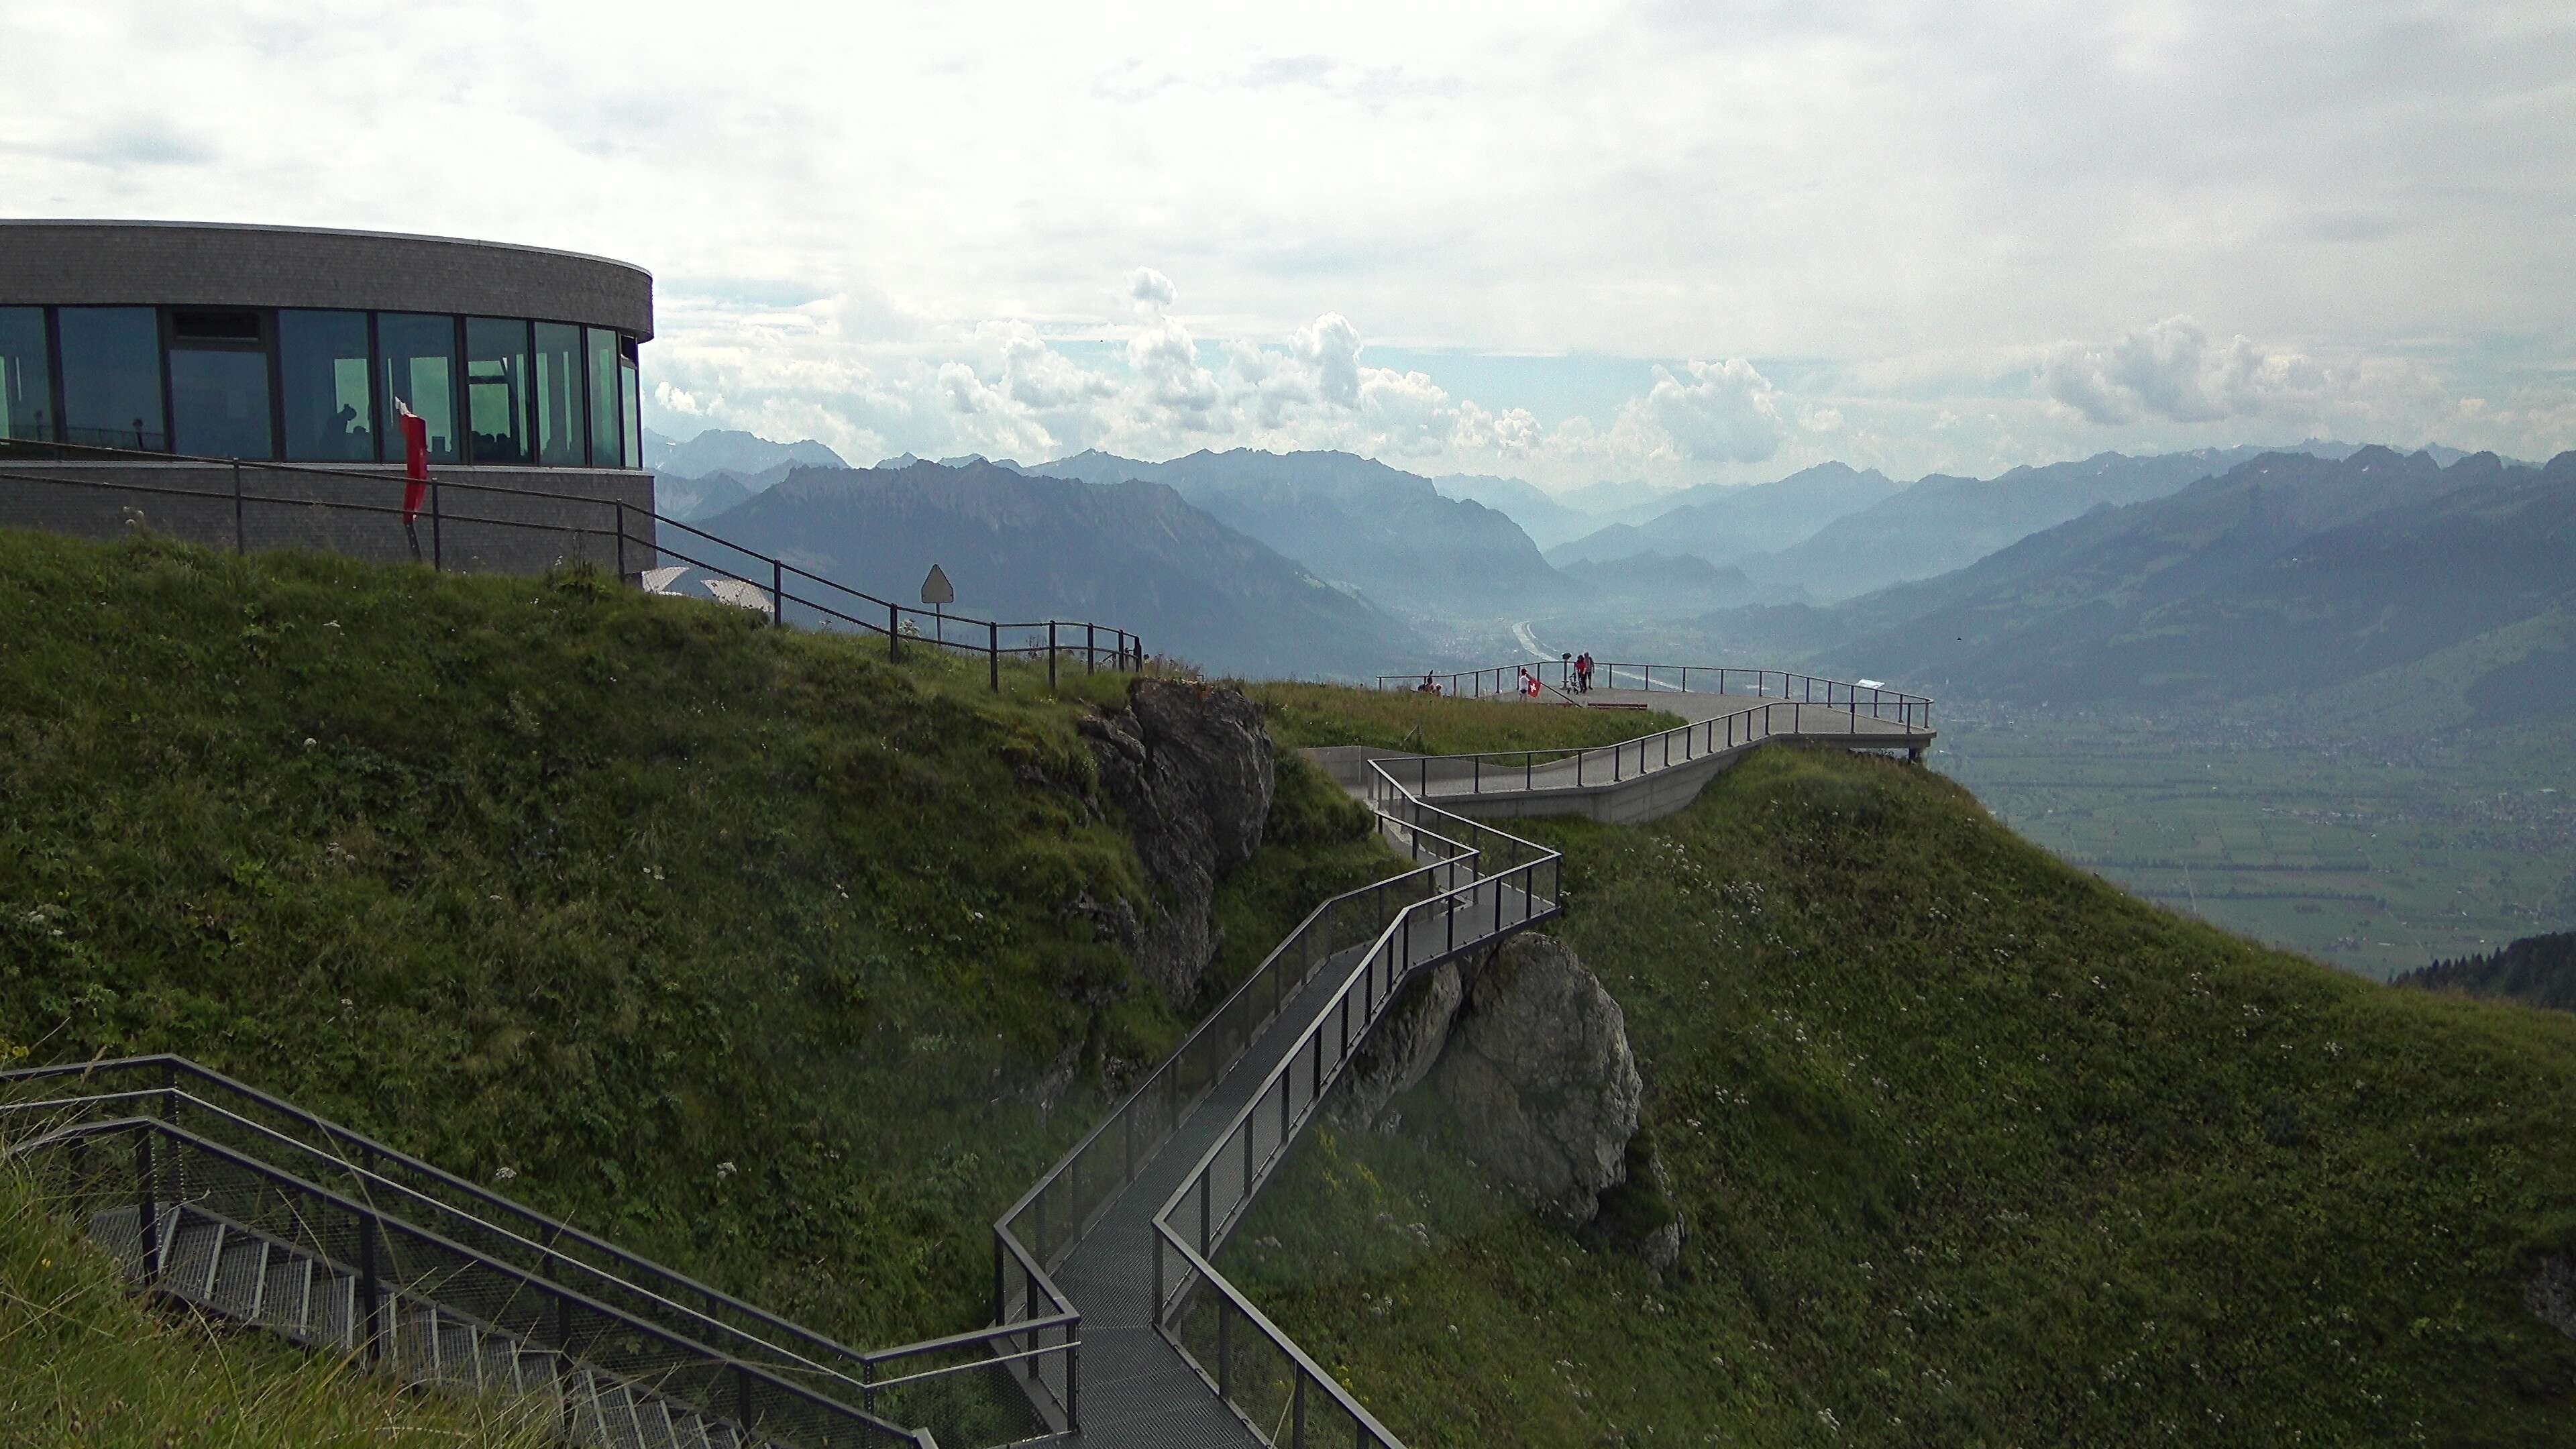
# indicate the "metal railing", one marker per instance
pixel 1273 1385
pixel 1503 681
pixel 963 1386
pixel 1534 772
pixel 609 532
pixel 366 1225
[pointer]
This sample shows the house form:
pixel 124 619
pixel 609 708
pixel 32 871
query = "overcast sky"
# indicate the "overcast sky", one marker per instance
pixel 1567 242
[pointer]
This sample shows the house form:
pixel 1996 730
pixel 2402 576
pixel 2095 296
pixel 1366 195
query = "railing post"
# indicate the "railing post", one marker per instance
pixel 1090 648
pixel 993 652
pixel 894 633
pixel 241 536
pixel 147 1205
pixel 1050 656
pixel 369 1286
pixel 777 592
pixel 742 1397
pixel 1224 1349
pixel 1072 1380
pixel 1297 1417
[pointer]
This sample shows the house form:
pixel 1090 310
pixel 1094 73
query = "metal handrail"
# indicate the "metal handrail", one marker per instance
pixel 1324 1070
pixel 1515 772
pixel 545 1234
pixel 371 1219
pixel 1124 646
pixel 1677 678
pixel 705 1325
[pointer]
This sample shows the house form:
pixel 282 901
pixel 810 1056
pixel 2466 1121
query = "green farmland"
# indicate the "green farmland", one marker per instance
pixel 2376 854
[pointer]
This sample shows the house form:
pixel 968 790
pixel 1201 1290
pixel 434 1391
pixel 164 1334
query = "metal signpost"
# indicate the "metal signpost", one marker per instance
pixel 937 594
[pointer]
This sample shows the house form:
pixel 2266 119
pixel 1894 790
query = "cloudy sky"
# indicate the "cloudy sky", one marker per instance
pixel 1684 241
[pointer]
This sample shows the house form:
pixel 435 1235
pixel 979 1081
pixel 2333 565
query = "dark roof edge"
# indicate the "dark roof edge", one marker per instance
pixel 254 226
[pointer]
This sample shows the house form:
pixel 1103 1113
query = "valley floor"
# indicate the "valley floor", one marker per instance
pixel 2378 856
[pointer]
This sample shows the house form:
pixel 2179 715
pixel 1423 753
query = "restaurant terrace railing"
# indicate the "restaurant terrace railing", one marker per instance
pixel 240 502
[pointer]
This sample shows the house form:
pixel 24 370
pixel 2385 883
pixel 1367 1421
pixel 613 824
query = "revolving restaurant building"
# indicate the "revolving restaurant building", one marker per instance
pixel 296 348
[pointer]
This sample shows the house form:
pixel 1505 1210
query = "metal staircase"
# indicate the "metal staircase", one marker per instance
pixel 221 1197
pixel 260 1281
pixel 298 1227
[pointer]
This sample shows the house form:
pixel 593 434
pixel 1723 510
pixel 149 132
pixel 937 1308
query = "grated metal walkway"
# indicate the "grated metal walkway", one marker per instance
pixel 1137 1390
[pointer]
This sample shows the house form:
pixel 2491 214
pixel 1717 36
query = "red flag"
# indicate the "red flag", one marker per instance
pixel 415 431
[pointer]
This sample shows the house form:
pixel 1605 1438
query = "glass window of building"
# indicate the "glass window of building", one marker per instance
pixel 219 383
pixel 330 400
pixel 112 377
pixel 26 376
pixel 496 388
pixel 419 354
pixel 604 430
pixel 634 394
pixel 563 425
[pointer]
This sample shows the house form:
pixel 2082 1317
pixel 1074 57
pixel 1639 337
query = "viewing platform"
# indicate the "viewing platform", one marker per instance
pixel 1729 712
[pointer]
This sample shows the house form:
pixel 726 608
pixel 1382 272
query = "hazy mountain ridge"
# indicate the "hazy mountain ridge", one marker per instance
pixel 1730 523
pixel 2290 572
pixel 1136 555
pixel 731 450
pixel 1943 522
pixel 1547 519
pixel 1667 580
pixel 1357 522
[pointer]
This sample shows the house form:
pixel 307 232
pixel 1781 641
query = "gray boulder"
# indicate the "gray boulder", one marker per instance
pixel 1190 767
pixel 1406 1043
pixel 1539 1076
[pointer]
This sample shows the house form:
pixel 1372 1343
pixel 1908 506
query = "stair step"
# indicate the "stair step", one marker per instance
pixel 240 1275
pixel 248 1277
pixel 114 1230
pixel 188 1269
pixel 286 1298
pixel 460 1353
pixel 333 1321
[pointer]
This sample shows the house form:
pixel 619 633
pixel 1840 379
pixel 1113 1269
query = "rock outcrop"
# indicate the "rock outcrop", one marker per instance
pixel 1539 1076
pixel 1406 1043
pixel 1190 767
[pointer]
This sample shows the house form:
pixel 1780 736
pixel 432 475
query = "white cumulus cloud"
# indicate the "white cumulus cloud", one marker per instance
pixel 1718 412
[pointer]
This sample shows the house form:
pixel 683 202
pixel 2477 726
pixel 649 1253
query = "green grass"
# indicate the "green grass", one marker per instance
pixel 1976 1150
pixel 743 947
pixel 1305 715
pixel 83 1365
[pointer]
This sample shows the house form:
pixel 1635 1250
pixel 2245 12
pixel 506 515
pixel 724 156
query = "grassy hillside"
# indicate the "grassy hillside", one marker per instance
pixel 743 947
pixel 1976 1150
pixel 1305 715
pixel 83 1365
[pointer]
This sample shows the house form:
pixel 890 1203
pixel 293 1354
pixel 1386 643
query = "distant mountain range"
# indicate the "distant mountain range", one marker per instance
pixel 1023 546
pixel 1546 519
pixel 1942 523
pixel 1359 523
pixel 2288 574
pixel 1666 581
pixel 726 450
pixel 1725 525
